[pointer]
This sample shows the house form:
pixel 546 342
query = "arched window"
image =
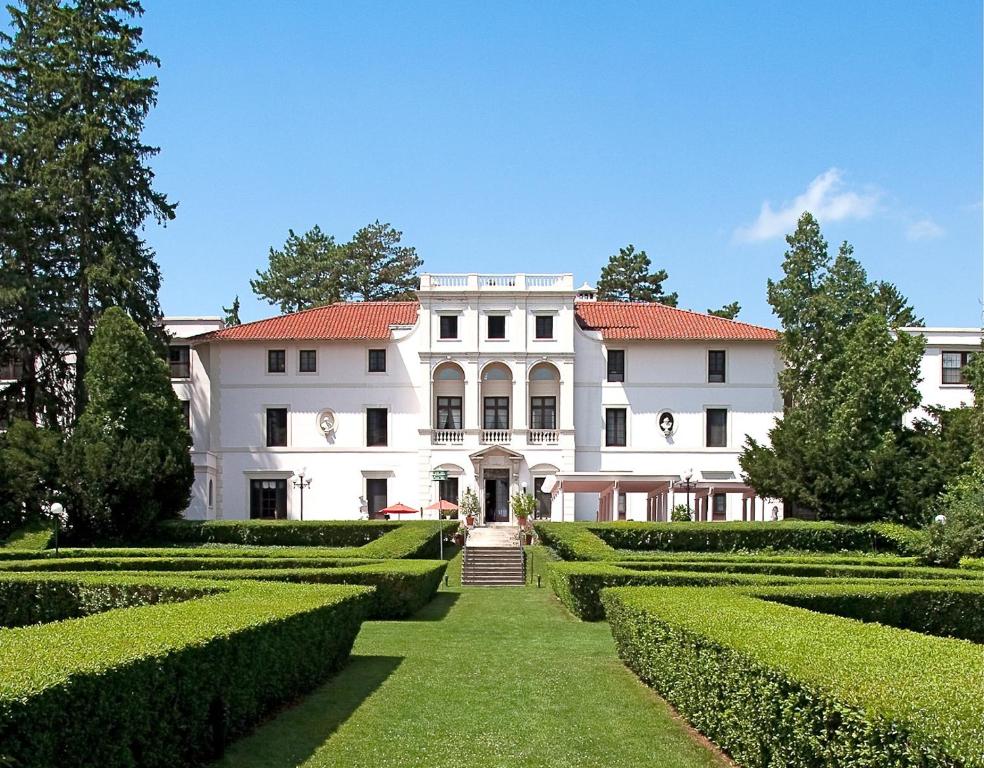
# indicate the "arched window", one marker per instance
pixel 543 373
pixel 449 373
pixel 496 373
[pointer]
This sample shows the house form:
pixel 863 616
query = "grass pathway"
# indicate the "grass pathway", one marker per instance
pixel 481 677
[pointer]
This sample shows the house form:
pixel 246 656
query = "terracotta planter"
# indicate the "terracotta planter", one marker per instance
pixel 523 522
pixel 459 539
pixel 470 520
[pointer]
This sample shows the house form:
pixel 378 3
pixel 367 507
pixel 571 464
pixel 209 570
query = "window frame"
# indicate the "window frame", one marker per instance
pixel 377 409
pixel 715 513
pixel 269 360
pixel 451 320
pixel 549 321
pixel 961 374
pixel 369 494
pixel 488 327
pixel 497 408
pixel 376 352
pixel 280 484
pixel 300 360
pixel 712 371
pixel 450 408
pixel 609 412
pixel 544 501
pixel 267 410
pixel 708 426
pixel 615 376
pixel 544 410
pixel 186 363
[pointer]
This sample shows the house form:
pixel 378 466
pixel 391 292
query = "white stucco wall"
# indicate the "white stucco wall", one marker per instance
pixel 931 387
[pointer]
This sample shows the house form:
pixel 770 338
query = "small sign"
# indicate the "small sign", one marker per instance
pixel 439 474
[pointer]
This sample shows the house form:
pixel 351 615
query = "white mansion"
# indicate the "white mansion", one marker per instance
pixel 505 383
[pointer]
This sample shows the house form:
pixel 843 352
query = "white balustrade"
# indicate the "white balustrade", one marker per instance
pixel 496 436
pixel 542 436
pixel 447 437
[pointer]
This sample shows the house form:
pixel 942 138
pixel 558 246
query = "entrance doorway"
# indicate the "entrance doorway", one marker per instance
pixel 497 496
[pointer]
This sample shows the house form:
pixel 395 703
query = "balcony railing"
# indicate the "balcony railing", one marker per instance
pixel 447 437
pixel 496 436
pixel 542 436
pixel 491 282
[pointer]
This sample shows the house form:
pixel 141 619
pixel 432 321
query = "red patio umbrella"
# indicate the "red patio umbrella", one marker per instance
pixel 444 505
pixel 399 509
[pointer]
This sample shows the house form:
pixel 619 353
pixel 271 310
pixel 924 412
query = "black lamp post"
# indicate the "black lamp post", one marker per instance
pixel 687 477
pixel 302 484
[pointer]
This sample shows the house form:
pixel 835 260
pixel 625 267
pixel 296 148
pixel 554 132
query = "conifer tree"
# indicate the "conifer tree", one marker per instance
pixel 307 272
pixel 127 464
pixel 232 313
pixel 78 71
pixel 728 311
pixel 628 277
pixel 378 267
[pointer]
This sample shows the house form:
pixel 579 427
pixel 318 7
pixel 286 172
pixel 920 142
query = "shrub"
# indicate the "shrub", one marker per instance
pixel 307 533
pixel 789 534
pixel 681 514
pixel 28 472
pixel 962 535
pixel 34 536
pixel 775 685
pixel 573 541
pixel 165 685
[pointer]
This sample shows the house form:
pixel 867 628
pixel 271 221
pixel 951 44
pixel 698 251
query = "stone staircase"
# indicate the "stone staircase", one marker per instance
pixel 492 557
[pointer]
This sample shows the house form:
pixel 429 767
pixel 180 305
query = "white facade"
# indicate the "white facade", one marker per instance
pixel 941 380
pixel 498 414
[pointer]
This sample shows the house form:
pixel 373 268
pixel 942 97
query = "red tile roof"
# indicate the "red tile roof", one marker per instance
pixel 342 321
pixel 354 321
pixel 656 322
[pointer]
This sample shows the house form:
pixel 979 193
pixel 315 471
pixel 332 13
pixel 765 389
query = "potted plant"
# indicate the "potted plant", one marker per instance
pixel 523 505
pixel 459 535
pixel 468 506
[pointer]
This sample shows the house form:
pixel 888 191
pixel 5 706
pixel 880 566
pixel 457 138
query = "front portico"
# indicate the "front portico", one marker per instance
pixel 497 471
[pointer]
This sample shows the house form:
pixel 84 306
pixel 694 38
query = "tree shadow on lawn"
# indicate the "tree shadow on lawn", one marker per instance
pixel 438 608
pixel 294 734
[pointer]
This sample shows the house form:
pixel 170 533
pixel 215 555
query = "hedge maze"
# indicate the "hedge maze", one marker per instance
pixel 159 656
pixel 829 646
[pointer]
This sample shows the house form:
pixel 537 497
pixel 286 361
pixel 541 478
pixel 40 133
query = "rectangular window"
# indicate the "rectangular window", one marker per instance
pixel 544 326
pixel 268 499
pixel 376 426
pixel 376 496
pixel 186 413
pixel 276 426
pixel 449 490
pixel 449 326
pixel 543 412
pixel 307 361
pixel 717 427
pixel 179 360
pixel 719 506
pixel 448 413
pixel 715 366
pixel 616 365
pixel 953 367
pixel 542 500
pixel 377 361
pixel 497 326
pixel 615 420
pixel 621 506
pixel 496 413
pixel 276 361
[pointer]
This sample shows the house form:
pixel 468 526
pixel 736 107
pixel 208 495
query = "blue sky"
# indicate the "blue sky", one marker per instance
pixel 542 136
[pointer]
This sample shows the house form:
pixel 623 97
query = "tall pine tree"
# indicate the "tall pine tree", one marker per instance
pixel 79 150
pixel 379 268
pixel 307 272
pixel 628 276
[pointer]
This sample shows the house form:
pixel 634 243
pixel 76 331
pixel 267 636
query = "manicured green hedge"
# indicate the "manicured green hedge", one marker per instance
pixel 36 535
pixel 951 611
pixel 574 541
pixel 402 586
pixel 24 599
pixel 578 585
pixel 789 534
pixel 341 554
pixel 168 685
pixel 775 685
pixel 307 533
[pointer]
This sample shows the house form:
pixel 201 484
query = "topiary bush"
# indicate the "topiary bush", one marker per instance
pixel 170 684
pixel 774 685
pixel 265 533
pixel 574 541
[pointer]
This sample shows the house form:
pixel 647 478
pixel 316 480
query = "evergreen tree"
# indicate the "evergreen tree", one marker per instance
pixel 232 313
pixel 728 311
pixel 307 272
pixel 28 472
pixel 849 379
pixel 127 464
pixel 379 268
pixel 975 378
pixel 627 277
pixel 77 71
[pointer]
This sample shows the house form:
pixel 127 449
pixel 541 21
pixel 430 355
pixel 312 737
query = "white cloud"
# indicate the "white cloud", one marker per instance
pixel 924 229
pixel 826 198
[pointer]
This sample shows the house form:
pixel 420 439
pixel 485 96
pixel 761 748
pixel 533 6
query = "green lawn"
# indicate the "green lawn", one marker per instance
pixel 481 677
